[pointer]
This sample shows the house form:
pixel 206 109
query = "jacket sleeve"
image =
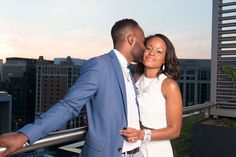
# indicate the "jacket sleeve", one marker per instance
pixel 79 94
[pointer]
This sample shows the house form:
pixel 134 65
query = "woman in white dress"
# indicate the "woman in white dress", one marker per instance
pixel 159 97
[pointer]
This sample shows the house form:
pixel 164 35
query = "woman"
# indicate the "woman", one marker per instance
pixel 159 98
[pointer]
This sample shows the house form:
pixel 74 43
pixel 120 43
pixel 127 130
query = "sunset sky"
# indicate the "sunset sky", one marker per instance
pixel 81 28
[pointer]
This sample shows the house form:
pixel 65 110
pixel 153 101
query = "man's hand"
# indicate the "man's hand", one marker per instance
pixel 12 142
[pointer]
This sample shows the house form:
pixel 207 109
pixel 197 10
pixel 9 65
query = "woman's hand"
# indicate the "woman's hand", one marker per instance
pixel 131 135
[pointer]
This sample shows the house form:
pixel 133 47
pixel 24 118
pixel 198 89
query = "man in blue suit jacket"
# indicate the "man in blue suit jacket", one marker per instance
pixel 102 87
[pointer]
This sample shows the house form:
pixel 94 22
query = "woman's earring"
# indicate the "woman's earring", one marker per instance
pixel 163 67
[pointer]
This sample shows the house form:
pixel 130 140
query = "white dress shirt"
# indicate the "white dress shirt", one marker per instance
pixel 132 106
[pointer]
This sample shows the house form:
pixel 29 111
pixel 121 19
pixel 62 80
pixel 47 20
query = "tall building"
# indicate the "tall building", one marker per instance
pixel 223 82
pixel 52 84
pixel 5 112
pixel 19 77
pixel 78 62
pixel 194 81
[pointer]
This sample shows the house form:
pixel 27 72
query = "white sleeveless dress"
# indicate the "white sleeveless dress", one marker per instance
pixel 153 114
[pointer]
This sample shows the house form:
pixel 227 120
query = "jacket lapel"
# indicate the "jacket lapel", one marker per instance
pixel 120 79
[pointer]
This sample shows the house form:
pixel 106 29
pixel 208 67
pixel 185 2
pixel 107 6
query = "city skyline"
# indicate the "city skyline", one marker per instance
pixel 82 29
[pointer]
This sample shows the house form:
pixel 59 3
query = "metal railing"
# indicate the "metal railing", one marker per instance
pixel 56 138
pixel 198 107
pixel 195 109
pixel 78 134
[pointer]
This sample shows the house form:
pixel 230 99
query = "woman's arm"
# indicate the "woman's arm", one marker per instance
pixel 172 94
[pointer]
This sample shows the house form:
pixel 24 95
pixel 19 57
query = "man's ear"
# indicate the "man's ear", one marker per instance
pixel 130 39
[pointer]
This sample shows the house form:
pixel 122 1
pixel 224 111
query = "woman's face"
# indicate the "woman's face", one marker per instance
pixel 154 53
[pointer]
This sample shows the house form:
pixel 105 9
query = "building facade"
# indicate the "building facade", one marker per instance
pixel 195 81
pixel 19 77
pixel 52 84
pixel 5 112
pixel 223 73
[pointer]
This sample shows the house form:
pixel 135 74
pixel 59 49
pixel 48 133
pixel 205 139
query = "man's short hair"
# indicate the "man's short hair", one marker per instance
pixel 118 27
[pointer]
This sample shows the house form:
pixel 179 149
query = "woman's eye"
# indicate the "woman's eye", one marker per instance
pixel 148 48
pixel 159 50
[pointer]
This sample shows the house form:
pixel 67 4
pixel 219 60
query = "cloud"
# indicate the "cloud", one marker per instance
pixel 192 46
pixel 60 12
pixel 84 43
pixel 89 42
pixel 82 28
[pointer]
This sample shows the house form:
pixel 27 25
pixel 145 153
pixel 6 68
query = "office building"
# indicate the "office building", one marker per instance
pixel 52 84
pixel 19 80
pixel 75 61
pixel 5 112
pixel 223 82
pixel 194 81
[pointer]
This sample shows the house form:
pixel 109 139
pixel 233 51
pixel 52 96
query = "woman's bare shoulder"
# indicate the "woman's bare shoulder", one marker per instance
pixel 169 84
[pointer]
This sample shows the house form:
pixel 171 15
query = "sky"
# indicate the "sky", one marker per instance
pixel 81 28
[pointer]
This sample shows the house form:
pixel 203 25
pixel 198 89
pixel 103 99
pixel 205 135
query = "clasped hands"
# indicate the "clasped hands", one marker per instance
pixel 131 135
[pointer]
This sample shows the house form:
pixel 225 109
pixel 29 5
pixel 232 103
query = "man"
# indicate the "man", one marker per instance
pixel 104 86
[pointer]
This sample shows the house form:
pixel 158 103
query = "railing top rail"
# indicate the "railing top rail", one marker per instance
pixel 55 138
pixel 198 107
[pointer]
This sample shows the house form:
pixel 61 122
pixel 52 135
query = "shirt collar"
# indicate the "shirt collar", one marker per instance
pixel 121 58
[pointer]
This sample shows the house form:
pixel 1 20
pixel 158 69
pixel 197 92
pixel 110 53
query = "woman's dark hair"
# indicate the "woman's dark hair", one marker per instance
pixel 171 62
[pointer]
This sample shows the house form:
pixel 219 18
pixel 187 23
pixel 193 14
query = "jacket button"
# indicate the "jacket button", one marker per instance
pixel 119 149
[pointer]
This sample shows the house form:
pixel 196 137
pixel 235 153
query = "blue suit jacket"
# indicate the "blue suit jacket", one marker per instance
pixel 101 87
